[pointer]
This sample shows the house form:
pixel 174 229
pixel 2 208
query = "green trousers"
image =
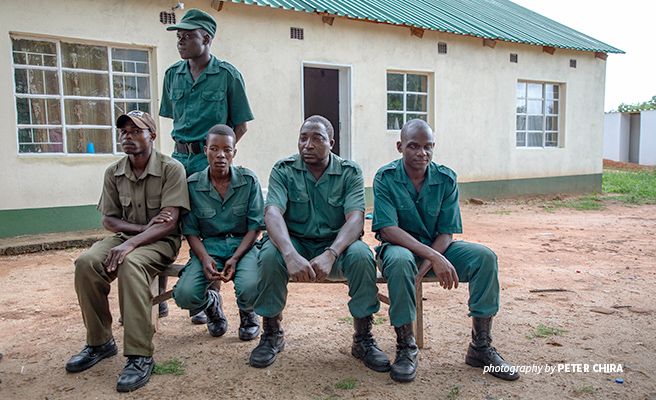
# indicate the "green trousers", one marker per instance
pixel 355 264
pixel 135 274
pixel 192 162
pixel 190 292
pixel 474 263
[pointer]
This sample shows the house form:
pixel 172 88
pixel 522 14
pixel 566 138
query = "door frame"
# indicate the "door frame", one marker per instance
pixel 345 101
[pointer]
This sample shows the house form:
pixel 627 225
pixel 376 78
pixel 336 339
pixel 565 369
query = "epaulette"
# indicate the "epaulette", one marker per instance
pixel 448 172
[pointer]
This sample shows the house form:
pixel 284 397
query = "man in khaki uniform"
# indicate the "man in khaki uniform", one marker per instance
pixel 143 195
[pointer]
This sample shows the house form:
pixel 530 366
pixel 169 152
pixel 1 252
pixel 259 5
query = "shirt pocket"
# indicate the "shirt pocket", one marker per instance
pixel 336 212
pixel 214 105
pixel 299 206
pixel 204 213
pixel 433 207
pixel 240 209
pixel 177 97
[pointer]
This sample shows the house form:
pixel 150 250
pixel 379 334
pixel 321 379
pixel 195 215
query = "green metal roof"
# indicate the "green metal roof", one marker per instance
pixel 489 19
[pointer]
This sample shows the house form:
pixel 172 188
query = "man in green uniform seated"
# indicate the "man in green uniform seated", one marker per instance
pixel 416 213
pixel 314 217
pixel 143 195
pixel 199 92
pixel 226 215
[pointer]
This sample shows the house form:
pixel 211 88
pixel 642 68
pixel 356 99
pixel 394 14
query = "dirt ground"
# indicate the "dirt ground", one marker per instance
pixel 603 263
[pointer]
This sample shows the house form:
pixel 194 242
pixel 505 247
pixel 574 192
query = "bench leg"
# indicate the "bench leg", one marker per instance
pixel 154 312
pixel 419 322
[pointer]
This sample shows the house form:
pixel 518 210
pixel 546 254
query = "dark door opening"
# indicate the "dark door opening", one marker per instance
pixel 321 92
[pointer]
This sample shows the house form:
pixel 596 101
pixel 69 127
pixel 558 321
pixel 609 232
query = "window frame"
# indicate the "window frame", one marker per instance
pixel 545 115
pixel 404 94
pixel 60 70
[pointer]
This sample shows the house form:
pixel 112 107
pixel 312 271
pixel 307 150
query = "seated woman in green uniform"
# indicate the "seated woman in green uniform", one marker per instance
pixel 227 210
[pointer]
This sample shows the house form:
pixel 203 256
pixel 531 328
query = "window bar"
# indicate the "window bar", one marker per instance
pixel 112 106
pixel 62 103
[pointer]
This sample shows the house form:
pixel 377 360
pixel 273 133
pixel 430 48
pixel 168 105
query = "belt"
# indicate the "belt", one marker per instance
pixel 228 235
pixel 190 148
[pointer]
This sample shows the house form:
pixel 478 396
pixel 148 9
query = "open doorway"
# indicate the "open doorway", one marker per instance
pixel 326 91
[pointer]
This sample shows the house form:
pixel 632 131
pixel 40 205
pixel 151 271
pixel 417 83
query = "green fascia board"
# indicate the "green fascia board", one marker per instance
pixel 32 221
pixel 510 188
pixel 487 19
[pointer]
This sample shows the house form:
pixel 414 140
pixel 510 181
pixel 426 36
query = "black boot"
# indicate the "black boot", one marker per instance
pixel 272 342
pixel 90 356
pixel 481 354
pixel 405 364
pixel 217 324
pixel 365 348
pixel 249 327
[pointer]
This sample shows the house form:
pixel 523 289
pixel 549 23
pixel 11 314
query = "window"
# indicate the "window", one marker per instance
pixel 68 95
pixel 538 107
pixel 407 98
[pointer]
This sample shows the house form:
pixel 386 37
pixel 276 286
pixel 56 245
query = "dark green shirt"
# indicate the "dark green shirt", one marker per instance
pixel 433 211
pixel 241 210
pixel 316 209
pixel 217 97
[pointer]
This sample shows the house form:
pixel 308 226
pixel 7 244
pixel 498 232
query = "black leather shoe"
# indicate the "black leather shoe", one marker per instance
pixel 272 342
pixel 217 323
pixel 199 319
pixel 405 365
pixel 90 356
pixel 135 374
pixel 163 310
pixel 365 347
pixel 481 353
pixel 250 325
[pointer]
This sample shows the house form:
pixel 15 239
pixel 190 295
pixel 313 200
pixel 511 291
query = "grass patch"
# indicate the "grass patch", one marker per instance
pixel 455 392
pixel 499 212
pixel 545 331
pixel 376 320
pixel 171 367
pixel 585 389
pixel 346 383
pixel 584 203
pixel 638 187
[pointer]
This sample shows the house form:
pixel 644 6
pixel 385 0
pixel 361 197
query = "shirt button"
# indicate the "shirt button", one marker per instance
pixel 139 206
pixel 223 208
pixel 298 198
pixel 191 106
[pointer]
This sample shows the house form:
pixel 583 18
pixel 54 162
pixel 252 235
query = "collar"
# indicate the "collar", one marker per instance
pixel 154 167
pixel 213 67
pixel 334 167
pixel 433 175
pixel 205 184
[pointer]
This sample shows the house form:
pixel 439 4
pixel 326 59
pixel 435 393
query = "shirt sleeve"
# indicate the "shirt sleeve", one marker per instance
pixel 354 196
pixel 166 108
pixel 278 191
pixel 239 111
pixel 110 203
pixel 190 224
pixel 174 190
pixel 449 219
pixel 384 210
pixel 256 207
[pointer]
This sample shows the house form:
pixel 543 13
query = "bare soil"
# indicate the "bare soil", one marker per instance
pixel 600 262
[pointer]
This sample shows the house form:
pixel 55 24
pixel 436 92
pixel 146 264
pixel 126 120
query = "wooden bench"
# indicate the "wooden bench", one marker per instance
pixel 174 271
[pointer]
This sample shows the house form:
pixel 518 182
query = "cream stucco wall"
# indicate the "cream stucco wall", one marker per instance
pixel 472 92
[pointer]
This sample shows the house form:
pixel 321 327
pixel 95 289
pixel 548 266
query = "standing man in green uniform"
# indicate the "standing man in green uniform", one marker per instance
pixel 314 219
pixel 199 92
pixel 226 217
pixel 416 213
pixel 143 195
